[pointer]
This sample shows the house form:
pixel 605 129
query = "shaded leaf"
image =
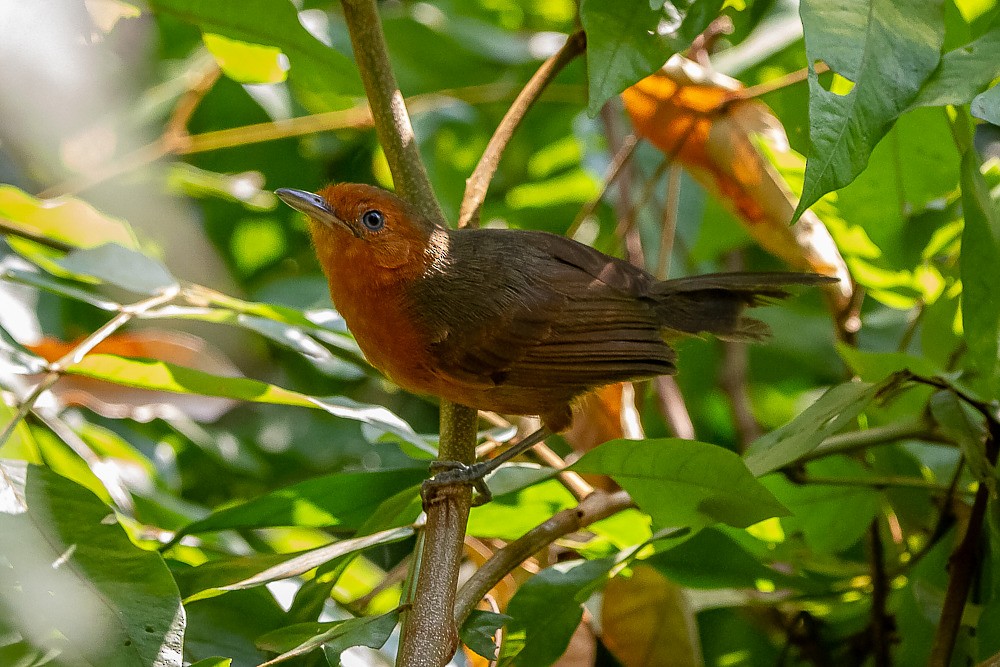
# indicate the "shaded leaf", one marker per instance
pixel 987 105
pixel 623 45
pixel 967 428
pixel 120 266
pixel 14 358
pixel 647 621
pixel 886 49
pixel 59 287
pixel 335 637
pixel 345 500
pixel 73 582
pixel 831 412
pixel 546 610
pixel 480 629
pixel 683 482
pixel 980 259
pixel 213 662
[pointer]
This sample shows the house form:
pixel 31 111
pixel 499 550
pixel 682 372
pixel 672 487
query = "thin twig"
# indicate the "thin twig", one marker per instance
pixel 668 228
pixel 479 182
pixel 9 228
pixel 673 407
pixel 773 85
pixel 620 159
pixel 917 427
pixel 963 566
pixel 599 505
pixel 84 347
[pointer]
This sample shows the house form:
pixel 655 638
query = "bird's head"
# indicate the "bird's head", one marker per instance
pixel 363 229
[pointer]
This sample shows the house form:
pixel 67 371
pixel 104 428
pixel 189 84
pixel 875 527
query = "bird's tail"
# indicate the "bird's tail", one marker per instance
pixel 714 303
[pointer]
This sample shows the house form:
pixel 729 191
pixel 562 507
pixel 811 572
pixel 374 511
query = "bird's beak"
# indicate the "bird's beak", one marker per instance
pixel 312 205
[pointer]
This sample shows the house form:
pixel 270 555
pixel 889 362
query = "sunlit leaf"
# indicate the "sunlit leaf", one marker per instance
pixel 866 42
pixel 322 77
pixel 683 482
pixel 511 515
pixel 66 219
pixel 246 63
pixel 75 584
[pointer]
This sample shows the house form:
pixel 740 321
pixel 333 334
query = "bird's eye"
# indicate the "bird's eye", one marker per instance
pixel 373 220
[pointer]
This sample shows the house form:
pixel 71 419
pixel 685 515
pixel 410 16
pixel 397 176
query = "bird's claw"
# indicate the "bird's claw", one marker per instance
pixel 452 473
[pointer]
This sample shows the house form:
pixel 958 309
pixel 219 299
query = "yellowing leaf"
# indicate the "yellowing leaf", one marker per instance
pixel 245 62
pixel 647 621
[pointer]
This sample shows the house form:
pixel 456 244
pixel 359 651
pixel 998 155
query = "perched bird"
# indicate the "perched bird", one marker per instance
pixel 518 322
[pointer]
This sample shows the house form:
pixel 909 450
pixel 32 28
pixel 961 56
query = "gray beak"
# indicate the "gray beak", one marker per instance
pixel 312 205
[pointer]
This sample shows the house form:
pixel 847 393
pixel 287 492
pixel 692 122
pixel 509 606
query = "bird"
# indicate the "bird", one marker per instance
pixel 518 322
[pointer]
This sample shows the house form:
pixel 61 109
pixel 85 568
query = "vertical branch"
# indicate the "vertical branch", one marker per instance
pixel 881 621
pixel 429 634
pixel 392 123
pixel 962 565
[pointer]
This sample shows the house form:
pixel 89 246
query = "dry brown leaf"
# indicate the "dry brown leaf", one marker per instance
pixel 119 402
pixel 698 117
pixel 646 621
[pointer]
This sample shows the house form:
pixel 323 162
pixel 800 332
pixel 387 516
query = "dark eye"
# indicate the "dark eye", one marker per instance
pixel 373 220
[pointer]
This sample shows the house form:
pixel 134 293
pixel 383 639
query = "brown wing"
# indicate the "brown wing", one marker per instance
pixel 539 310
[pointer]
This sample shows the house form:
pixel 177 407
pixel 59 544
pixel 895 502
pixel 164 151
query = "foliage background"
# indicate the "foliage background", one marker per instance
pixel 164 129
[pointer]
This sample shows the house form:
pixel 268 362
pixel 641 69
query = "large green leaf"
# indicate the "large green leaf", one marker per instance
pixel 831 412
pixel 345 500
pixel 887 49
pixel 72 582
pixel 980 259
pixel 323 78
pixel 163 376
pixel 546 610
pixel 683 482
pixel 113 264
pixel 65 219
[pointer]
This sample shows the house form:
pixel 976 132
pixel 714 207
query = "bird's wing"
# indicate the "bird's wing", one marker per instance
pixel 560 314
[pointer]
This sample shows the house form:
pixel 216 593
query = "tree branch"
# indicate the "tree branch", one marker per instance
pixel 598 505
pixel 479 181
pixel 392 123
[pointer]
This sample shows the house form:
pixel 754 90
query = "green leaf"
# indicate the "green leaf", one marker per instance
pixel 479 630
pixel 831 412
pixel 509 516
pixel 66 219
pixel 128 269
pixel 14 358
pixel 987 105
pixel 162 376
pixel 58 287
pixel 243 62
pixel 74 583
pixel 712 559
pixel 335 637
pixel 875 366
pixel 323 78
pixel 967 428
pixel 546 610
pixel 623 46
pixel 887 49
pixel 683 482
pixel 979 262
pixel 213 662
pixel 830 518
pixel 964 72
pixel 345 500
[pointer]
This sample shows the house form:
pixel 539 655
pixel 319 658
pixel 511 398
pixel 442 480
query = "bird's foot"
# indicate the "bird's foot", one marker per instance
pixel 453 473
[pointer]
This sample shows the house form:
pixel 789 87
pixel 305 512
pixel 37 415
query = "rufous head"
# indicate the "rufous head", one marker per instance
pixel 361 227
